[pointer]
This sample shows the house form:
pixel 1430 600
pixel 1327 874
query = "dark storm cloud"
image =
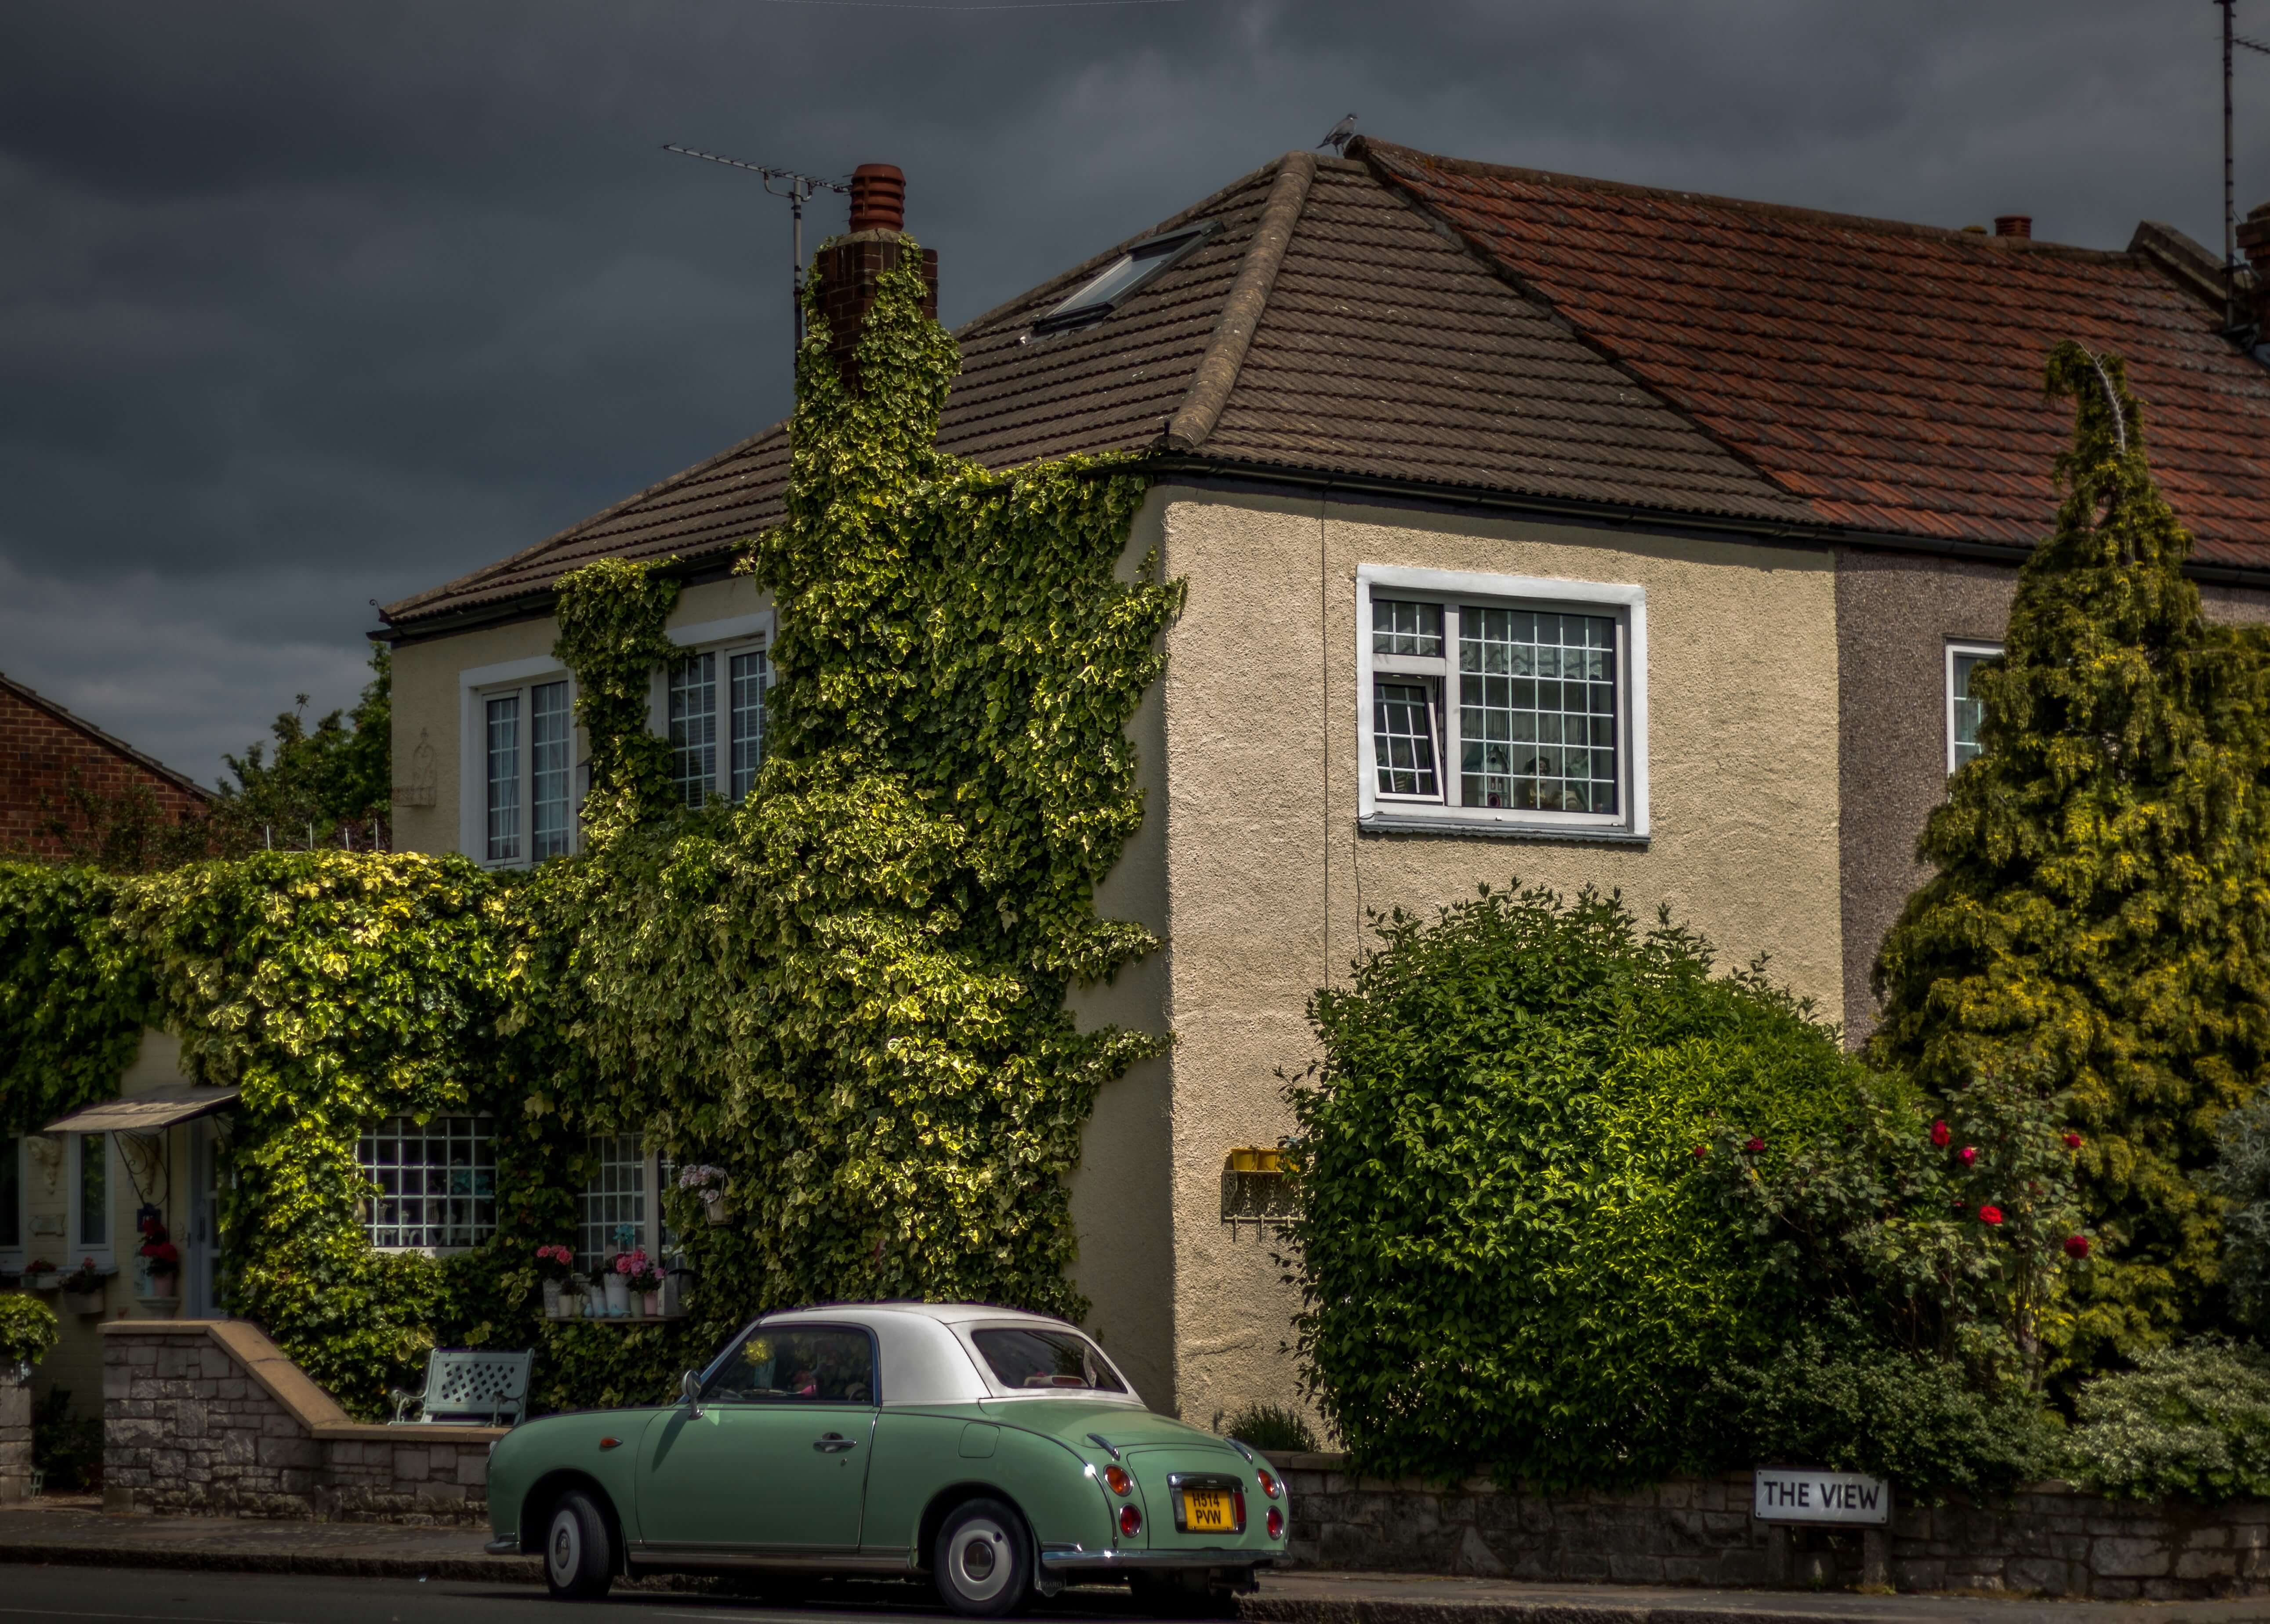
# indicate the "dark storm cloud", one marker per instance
pixel 303 306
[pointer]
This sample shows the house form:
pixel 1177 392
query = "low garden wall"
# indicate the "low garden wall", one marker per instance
pixel 2047 1539
pixel 209 1417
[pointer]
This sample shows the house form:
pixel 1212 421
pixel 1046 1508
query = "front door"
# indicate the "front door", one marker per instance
pixel 775 1461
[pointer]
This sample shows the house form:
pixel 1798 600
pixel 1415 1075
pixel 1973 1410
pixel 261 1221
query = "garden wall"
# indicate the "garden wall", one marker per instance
pixel 209 1417
pixel 2048 1539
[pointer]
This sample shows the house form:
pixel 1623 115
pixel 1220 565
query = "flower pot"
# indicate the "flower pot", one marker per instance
pixel 653 1301
pixel 713 1206
pixel 552 1299
pixel 162 1285
pixel 619 1297
pixel 48 1281
pixel 83 1303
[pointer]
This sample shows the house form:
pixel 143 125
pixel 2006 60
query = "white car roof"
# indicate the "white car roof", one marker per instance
pixel 926 1353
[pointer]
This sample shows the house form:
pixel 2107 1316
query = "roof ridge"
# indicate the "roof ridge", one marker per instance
pixel 1216 374
pixel 1390 152
pixel 32 696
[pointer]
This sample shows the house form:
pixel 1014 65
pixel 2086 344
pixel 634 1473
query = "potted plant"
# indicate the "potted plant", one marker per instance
pixel 646 1284
pixel 83 1289
pixel 27 1330
pixel 162 1261
pixel 709 1183
pixel 573 1296
pixel 555 1264
pixel 39 1275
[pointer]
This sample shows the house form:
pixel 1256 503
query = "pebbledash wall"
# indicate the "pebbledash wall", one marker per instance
pixel 208 1416
pixel 2047 1539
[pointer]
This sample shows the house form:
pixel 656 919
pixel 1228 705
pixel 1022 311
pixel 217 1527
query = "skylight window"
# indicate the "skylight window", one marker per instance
pixel 1122 275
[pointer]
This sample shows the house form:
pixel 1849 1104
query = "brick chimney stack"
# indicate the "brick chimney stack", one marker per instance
pixel 2013 225
pixel 850 265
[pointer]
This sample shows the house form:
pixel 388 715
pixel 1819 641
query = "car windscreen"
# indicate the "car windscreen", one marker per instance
pixel 1029 1357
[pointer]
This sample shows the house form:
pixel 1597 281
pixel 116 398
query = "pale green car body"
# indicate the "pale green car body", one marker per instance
pixel 865 1487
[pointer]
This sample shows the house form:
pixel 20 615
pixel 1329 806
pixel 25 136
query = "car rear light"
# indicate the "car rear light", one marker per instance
pixel 1122 1485
pixel 1237 1508
pixel 1131 1521
pixel 1276 1523
pixel 1269 1485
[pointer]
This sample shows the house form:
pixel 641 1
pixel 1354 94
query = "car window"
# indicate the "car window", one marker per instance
pixel 1030 1357
pixel 817 1364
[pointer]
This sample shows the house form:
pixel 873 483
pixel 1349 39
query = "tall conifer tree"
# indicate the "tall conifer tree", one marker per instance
pixel 2100 917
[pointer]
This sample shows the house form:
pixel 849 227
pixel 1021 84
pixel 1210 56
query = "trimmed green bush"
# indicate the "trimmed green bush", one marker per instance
pixel 1506 1263
pixel 2192 1421
pixel 27 1328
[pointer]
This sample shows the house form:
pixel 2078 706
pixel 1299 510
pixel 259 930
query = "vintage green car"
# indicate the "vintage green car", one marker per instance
pixel 999 1453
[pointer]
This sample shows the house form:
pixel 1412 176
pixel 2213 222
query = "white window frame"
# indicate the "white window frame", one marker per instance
pixel 12 1258
pixel 749 634
pixel 651 1227
pixel 1954 649
pixel 1626 604
pixel 105 1255
pixel 476 687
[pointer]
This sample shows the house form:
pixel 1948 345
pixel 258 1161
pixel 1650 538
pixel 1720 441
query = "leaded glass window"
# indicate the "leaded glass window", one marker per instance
pixel 1402 627
pixel 747 721
pixel 436 1183
pixel 1403 737
pixel 550 743
pixel 503 756
pixel 1537 710
pixel 693 727
pixel 614 1218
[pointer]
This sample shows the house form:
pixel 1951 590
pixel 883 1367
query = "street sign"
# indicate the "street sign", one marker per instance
pixel 1788 1495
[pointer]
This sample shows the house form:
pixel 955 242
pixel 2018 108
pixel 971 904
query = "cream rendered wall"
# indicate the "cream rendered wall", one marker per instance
pixel 1267 879
pixel 429 705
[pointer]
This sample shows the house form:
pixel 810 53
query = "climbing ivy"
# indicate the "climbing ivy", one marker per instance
pixel 848 990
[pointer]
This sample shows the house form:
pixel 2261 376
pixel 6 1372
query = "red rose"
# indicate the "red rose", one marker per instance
pixel 2073 1141
pixel 2076 1246
pixel 1754 1146
pixel 1970 1154
pixel 1939 1135
pixel 1989 1215
pixel 1702 1150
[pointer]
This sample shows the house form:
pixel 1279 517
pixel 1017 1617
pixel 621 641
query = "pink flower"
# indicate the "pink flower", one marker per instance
pixel 1938 1134
pixel 2076 1246
pixel 1970 1154
pixel 1989 1215
pixel 1701 1151
pixel 1754 1146
pixel 2073 1141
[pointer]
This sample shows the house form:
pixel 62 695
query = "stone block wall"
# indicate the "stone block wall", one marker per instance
pixel 2048 1539
pixel 208 1417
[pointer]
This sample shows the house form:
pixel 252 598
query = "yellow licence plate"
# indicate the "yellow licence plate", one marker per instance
pixel 1207 1511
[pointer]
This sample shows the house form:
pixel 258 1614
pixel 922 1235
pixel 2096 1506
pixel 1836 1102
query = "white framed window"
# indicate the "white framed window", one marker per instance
pixel 435 1182
pixel 1501 704
pixel 709 703
pixel 521 781
pixel 1963 709
pixel 621 1206
pixel 15 1222
pixel 88 1185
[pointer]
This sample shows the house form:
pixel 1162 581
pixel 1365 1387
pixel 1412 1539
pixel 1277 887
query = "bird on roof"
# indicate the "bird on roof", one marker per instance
pixel 1338 136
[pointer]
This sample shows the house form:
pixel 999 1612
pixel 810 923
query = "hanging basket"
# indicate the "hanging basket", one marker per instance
pixel 713 1205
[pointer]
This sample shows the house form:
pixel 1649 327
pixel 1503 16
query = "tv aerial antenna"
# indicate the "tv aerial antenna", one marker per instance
pixel 798 189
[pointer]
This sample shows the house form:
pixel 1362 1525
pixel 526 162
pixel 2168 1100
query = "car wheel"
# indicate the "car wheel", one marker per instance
pixel 983 1562
pixel 579 1556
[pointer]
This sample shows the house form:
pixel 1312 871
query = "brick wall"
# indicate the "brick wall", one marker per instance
pixel 207 1417
pixel 40 752
pixel 2049 1540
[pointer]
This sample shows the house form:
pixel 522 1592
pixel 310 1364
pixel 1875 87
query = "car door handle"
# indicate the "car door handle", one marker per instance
pixel 833 1443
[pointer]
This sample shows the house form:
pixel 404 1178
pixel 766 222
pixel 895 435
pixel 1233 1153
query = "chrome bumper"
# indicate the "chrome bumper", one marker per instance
pixel 1060 1559
pixel 502 1548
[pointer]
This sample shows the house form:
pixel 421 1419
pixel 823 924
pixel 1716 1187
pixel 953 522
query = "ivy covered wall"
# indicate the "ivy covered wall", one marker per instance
pixel 847 990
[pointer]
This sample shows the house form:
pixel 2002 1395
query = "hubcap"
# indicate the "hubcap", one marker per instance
pixel 567 1539
pixel 980 1560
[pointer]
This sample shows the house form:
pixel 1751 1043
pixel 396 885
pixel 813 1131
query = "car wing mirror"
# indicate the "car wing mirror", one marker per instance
pixel 689 1392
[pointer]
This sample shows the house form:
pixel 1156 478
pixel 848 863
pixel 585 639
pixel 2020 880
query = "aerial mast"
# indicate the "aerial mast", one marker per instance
pixel 797 188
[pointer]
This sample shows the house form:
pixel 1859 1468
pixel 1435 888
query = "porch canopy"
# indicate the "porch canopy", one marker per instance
pixel 148 1111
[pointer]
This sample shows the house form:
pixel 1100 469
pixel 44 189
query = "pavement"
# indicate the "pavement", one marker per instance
pixel 73 1532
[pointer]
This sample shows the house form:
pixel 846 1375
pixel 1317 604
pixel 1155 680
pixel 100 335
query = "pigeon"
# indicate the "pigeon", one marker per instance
pixel 1339 136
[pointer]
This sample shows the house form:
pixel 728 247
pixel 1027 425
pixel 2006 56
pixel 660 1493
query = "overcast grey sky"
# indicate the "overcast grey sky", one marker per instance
pixel 303 306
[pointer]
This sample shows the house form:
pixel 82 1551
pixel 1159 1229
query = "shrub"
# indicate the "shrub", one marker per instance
pixel 2191 1420
pixel 1272 1429
pixel 1505 1263
pixel 27 1328
pixel 66 1447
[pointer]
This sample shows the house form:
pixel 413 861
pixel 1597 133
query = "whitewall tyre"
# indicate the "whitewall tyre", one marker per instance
pixel 983 1562
pixel 579 1555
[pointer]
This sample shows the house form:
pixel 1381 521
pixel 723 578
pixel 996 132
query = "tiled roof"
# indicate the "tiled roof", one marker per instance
pixel 111 741
pixel 1427 321
pixel 1889 374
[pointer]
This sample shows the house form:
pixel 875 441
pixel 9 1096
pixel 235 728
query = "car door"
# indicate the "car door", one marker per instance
pixel 774 1459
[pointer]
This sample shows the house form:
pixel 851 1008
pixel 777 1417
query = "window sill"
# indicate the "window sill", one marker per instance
pixel 626 1320
pixel 1493 828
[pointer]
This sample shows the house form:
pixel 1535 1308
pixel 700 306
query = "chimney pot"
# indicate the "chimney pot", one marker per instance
pixel 879 197
pixel 2013 225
